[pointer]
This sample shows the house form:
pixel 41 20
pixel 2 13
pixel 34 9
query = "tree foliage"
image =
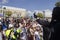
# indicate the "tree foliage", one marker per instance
pixel 40 15
pixel 8 13
pixel 57 4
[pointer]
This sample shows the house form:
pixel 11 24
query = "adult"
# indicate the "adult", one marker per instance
pixel 45 25
pixel 55 24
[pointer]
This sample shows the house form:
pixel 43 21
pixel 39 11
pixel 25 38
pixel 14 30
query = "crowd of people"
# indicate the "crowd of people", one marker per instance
pixel 29 29
pixel 20 29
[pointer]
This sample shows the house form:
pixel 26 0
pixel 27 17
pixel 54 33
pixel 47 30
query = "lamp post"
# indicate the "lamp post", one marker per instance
pixel 2 3
pixel 4 12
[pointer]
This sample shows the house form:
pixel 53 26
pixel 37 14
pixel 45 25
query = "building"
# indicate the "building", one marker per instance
pixel 17 12
pixel 46 13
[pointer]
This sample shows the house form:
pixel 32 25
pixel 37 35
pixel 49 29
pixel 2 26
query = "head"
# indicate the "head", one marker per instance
pixel 56 13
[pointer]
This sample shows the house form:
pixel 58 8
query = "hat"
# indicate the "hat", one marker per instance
pixel 10 25
pixel 37 17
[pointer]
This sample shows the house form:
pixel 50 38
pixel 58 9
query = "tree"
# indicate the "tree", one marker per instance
pixel 8 13
pixel 57 4
pixel 40 15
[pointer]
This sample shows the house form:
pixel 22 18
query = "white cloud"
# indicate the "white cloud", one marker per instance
pixel 4 1
pixel 48 13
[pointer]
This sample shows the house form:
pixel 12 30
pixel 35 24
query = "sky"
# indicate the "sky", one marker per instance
pixel 31 4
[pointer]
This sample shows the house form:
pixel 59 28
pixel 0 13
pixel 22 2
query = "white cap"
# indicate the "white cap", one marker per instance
pixel 10 25
pixel 37 17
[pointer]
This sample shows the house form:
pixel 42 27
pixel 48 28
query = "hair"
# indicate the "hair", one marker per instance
pixel 56 13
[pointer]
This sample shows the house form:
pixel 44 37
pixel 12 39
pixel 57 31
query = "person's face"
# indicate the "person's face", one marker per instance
pixel 34 28
pixel 17 26
pixel 37 28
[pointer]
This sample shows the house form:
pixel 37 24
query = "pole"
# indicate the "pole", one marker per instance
pixel 3 9
pixel 44 14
